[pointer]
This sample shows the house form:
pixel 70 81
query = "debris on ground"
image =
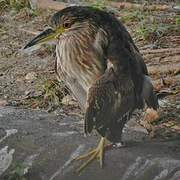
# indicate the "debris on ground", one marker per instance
pixel 28 80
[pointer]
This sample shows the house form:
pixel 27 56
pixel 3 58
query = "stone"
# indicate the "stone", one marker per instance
pixel 43 145
pixel 68 100
pixel 3 102
pixel 151 115
pixel 31 76
pixel 48 4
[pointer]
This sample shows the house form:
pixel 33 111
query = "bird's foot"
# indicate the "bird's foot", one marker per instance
pixel 97 153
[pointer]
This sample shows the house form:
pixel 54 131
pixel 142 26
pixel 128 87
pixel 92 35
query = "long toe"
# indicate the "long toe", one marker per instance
pixel 97 153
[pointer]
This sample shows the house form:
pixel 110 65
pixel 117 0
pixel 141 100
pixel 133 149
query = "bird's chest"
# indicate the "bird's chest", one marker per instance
pixel 76 64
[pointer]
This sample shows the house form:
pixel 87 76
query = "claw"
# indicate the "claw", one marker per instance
pixel 97 153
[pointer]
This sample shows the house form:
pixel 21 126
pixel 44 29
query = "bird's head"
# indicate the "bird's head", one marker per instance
pixel 66 20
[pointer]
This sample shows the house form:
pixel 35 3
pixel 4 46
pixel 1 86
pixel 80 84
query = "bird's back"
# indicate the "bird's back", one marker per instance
pixel 124 54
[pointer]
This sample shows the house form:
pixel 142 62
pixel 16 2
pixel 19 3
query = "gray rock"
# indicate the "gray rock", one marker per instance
pixel 31 76
pixel 40 146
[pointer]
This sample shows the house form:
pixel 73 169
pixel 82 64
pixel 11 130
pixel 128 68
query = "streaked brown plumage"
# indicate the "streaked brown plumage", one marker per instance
pixel 99 62
pixel 79 63
pixel 83 53
pixel 111 97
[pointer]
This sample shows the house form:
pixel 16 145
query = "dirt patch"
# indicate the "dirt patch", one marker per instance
pixel 28 79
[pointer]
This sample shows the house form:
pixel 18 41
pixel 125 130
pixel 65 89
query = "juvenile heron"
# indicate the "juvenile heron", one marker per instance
pixel 99 62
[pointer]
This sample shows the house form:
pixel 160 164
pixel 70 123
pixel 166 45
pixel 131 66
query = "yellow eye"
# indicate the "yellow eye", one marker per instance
pixel 66 25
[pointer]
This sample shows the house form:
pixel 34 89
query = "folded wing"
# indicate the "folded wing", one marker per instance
pixel 111 100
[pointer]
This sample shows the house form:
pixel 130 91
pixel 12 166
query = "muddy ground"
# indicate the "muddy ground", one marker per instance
pixel 27 79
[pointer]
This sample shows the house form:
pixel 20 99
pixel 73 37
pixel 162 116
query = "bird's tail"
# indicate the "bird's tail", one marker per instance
pixel 148 94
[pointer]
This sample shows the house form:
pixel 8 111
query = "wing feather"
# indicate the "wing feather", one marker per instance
pixel 110 99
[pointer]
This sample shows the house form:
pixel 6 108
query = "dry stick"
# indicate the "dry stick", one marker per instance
pixel 128 5
pixel 159 55
pixel 49 4
pixel 29 31
pixel 165 50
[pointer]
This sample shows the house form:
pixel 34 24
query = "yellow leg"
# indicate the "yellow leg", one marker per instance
pixel 96 153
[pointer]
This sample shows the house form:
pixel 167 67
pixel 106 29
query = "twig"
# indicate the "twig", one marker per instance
pixel 29 32
pixel 165 50
pixel 49 4
pixel 127 5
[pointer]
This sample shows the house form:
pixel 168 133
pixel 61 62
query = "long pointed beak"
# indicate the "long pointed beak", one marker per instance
pixel 45 36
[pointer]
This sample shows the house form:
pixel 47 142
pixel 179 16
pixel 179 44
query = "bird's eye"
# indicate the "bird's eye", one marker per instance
pixel 66 25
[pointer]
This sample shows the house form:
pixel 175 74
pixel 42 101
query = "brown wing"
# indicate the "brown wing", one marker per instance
pixel 109 105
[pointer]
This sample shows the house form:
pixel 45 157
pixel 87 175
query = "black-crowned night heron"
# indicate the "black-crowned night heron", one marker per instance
pixel 99 62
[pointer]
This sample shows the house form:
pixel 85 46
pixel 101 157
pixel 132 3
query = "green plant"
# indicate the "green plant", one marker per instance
pixel 142 31
pixel 178 20
pixel 136 15
pixel 19 4
pixel 18 173
pixel 52 92
pixel 100 4
pixel 153 30
pixel 15 4
pixel 3 4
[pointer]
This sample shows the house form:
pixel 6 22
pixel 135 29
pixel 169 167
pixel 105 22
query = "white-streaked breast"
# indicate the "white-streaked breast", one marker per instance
pixel 77 62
